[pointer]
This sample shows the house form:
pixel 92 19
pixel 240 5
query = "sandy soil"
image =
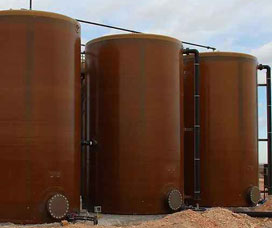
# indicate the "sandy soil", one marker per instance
pixel 213 218
pixel 216 217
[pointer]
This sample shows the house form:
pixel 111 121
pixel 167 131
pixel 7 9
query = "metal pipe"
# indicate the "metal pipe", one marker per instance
pixel 263 140
pixel 269 129
pixel 107 26
pixel 196 122
pixel 199 45
pixel 88 138
pixel 30 5
pixel 83 114
pixel 88 142
pixel 258 214
pixel 133 31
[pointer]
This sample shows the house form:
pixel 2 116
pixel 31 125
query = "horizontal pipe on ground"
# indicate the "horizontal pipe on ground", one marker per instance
pixel 258 214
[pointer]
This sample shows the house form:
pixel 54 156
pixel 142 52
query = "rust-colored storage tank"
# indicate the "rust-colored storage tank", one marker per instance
pixel 39 117
pixel 137 164
pixel 228 123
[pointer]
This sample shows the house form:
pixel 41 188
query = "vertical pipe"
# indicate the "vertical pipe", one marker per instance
pixel 196 122
pixel 257 114
pixel 269 129
pixel 86 141
pixel 269 136
pixel 30 5
pixel 83 136
pixel 88 136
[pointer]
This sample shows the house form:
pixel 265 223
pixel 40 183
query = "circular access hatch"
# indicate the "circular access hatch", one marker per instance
pixel 174 199
pixel 58 206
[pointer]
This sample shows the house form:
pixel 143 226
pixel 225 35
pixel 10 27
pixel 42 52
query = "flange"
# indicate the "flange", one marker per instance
pixel 254 195
pixel 174 199
pixel 58 206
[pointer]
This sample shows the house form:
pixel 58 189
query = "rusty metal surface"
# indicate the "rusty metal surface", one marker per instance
pixel 135 118
pixel 40 113
pixel 229 155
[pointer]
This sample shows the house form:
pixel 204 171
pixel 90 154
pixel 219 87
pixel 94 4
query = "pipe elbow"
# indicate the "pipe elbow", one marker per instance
pixel 268 68
pixel 262 67
pixel 188 51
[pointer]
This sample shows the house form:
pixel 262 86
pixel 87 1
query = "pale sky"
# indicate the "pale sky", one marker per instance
pixel 229 25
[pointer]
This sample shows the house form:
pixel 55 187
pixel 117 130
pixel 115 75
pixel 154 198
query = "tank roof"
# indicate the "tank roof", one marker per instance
pixel 227 54
pixel 37 14
pixel 135 36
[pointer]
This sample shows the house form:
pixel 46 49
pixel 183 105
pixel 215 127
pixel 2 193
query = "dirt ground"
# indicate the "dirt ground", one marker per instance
pixel 212 218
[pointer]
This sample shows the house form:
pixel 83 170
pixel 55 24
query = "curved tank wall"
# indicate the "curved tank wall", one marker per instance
pixel 40 116
pixel 229 154
pixel 135 109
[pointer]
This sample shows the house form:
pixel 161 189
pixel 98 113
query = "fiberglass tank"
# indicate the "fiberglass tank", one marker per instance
pixel 39 117
pixel 228 128
pixel 135 107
